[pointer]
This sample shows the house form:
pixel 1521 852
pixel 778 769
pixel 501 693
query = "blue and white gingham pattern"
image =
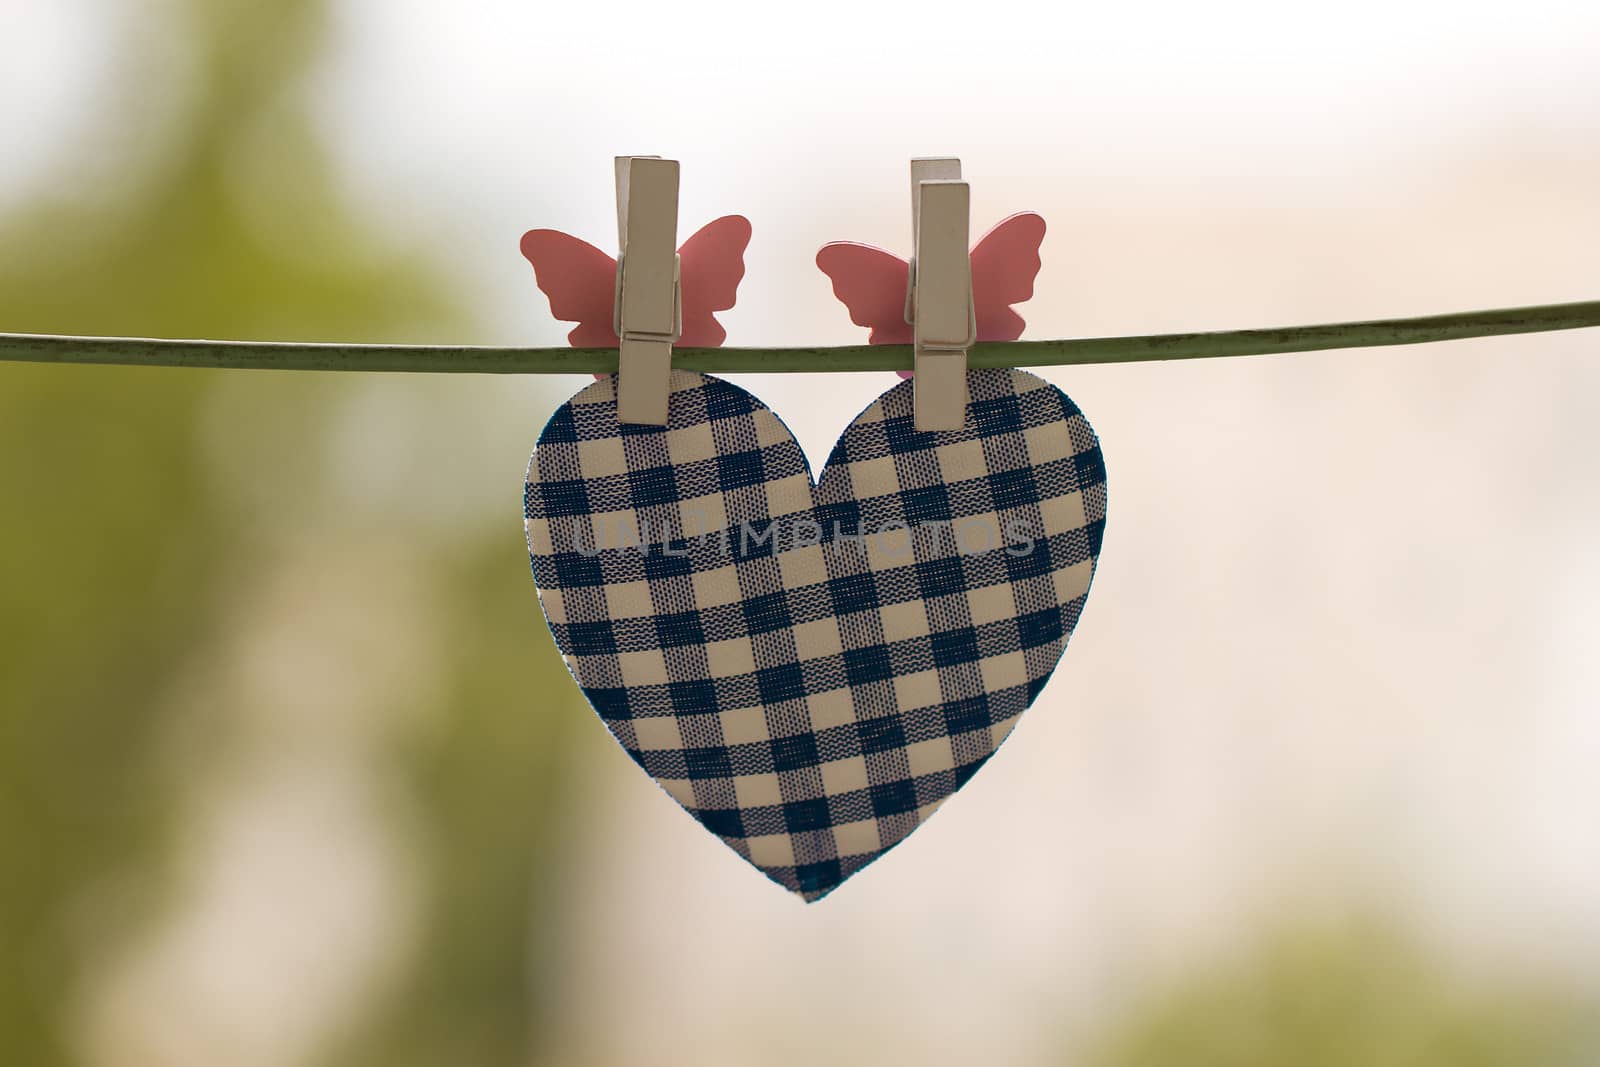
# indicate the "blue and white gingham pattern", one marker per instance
pixel 812 695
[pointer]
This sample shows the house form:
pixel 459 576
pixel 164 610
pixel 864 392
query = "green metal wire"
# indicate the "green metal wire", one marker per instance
pixel 463 359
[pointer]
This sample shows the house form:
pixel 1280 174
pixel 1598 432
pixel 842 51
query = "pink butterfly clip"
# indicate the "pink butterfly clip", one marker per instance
pixel 580 281
pixel 872 282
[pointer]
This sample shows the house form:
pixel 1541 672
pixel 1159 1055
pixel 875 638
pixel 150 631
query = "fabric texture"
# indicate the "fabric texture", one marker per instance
pixel 812 670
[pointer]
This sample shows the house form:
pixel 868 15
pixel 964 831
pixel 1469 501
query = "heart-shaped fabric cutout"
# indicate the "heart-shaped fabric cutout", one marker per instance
pixel 812 670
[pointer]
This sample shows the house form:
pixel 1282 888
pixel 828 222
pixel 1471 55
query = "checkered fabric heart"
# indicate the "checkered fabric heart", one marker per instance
pixel 812 670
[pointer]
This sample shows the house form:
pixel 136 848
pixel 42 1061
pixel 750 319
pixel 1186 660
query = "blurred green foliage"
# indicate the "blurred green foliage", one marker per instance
pixel 116 552
pixel 493 778
pixel 1350 995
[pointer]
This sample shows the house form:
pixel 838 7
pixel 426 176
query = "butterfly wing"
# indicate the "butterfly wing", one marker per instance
pixel 1005 262
pixel 871 283
pixel 710 268
pixel 580 281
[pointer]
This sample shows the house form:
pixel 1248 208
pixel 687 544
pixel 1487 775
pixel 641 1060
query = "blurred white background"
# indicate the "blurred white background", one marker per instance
pixel 1340 653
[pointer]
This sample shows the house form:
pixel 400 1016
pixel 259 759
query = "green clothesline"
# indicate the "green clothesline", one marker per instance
pixel 465 359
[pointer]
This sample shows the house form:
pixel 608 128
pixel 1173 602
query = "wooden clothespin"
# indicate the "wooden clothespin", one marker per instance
pixel 649 303
pixel 939 292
